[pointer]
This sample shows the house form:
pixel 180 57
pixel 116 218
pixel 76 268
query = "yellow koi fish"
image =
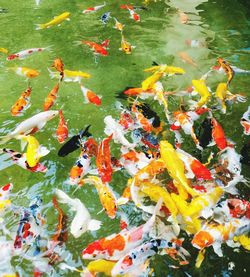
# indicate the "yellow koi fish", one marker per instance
pixel 25 72
pixel 70 75
pixel 55 21
pixel 221 94
pixel 101 266
pixel 4 203
pixel 171 70
pixel 201 88
pixel 244 240
pixel 4 50
pixel 175 166
pixel 126 46
pixel 34 151
pixel 151 80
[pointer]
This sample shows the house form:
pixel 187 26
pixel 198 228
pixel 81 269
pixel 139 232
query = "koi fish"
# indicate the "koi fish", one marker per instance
pixel 119 26
pixel 170 70
pixel 135 16
pixel 116 246
pixel 80 168
pixel 106 195
pixel 227 69
pixel 175 166
pixel 221 94
pixel 23 230
pixel 202 89
pixel 194 167
pixel 105 17
pixel 22 104
pixel 82 221
pixel 126 47
pixel 101 266
pixel 30 125
pixel 186 58
pixel 103 160
pixel 5 191
pixel 34 151
pixel 61 234
pixel 62 129
pixel 59 66
pixel 214 234
pixel 194 43
pixel 24 53
pixel 25 72
pixel 20 160
pixel 141 253
pixel 205 133
pixel 74 143
pixel 4 50
pixel 69 75
pixel 218 135
pixel 183 17
pixel 94 9
pixel 57 20
pixel 51 98
pixel 150 82
pixel 90 96
pixel 115 129
pixel 98 49
pixel 245 122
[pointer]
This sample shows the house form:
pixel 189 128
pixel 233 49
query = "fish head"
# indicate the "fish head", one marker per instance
pixel 75 174
pixel 201 110
pixel 202 239
pixel 78 227
pixel 51 114
pixel 12 57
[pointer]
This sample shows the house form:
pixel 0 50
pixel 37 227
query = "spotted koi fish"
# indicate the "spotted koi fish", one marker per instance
pixel 22 104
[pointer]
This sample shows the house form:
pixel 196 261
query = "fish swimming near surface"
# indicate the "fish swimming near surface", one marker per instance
pixel 25 53
pixel 90 96
pixel 25 72
pixel 51 98
pixel 69 75
pixel 62 129
pixel 74 143
pixel 227 69
pixel 57 20
pixel 98 49
pixel 94 9
pixel 30 125
pixel 82 221
pixel 22 104
pixel 59 66
pixel 245 122
pixel 204 133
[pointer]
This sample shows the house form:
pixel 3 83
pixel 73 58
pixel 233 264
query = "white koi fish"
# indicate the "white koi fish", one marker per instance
pixel 82 221
pixel 24 53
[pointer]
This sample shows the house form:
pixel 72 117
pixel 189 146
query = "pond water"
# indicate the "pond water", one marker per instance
pixel 222 29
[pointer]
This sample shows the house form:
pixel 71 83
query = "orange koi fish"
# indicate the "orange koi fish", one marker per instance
pixel 62 129
pixel 51 98
pixel 59 66
pixel 90 96
pixel 227 68
pixel 186 58
pixel 103 160
pixel 218 135
pixel 22 104
pixel 98 49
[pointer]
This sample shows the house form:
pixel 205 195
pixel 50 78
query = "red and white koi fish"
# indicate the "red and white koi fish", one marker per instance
pixel 94 9
pixel 245 121
pixel 113 127
pixel 21 160
pixel 116 246
pixel 194 167
pixel 141 253
pixel 103 160
pixel 30 125
pixel 62 129
pixel 239 208
pixel 135 16
pixel 90 96
pixel 22 104
pixel 81 168
pixel 218 135
pixel 82 221
pixel 5 191
pixel 25 53
pixel 98 49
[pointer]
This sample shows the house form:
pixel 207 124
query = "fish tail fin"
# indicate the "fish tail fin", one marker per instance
pixel 40 26
pixel 48 48
pixel 5 139
pixel 62 196
pixel 85 132
pixel 52 74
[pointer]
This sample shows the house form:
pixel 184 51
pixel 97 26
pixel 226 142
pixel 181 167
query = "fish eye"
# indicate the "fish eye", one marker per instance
pixel 81 228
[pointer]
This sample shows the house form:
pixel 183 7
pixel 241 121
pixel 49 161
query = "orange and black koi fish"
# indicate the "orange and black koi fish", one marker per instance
pixel 51 98
pixel 59 66
pixel 22 104
pixel 227 68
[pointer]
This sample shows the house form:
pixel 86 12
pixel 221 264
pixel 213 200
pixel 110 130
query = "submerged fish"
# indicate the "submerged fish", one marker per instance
pixel 57 20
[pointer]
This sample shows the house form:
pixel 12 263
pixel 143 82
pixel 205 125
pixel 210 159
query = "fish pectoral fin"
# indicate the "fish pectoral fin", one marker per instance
pixel 122 201
pixel 41 124
pixel 43 151
pixel 94 225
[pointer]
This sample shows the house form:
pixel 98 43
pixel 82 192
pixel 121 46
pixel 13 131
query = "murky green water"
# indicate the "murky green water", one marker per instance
pixel 223 27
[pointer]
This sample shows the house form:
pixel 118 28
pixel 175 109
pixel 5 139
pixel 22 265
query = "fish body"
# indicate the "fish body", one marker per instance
pixel 99 49
pixel 135 16
pixel 117 245
pixel 34 151
pixel 201 88
pixel 21 160
pixel 106 195
pixel 105 17
pixel 57 20
pixel 90 96
pixel 69 75
pixel 174 166
pixel 74 143
pixel 245 122
pixel 59 66
pixel 119 26
pixel 26 72
pixel 221 94
pixel 126 47
pixel 4 50
pixel 227 69
pixel 103 160
pixel 170 70
pixel 51 98
pixel 30 125
pixel 218 135
pixel 151 80
pixel 25 53
pixel 186 58
pixel 82 221
pixel 101 266
pixel 62 129
pixel 22 104
pixel 94 9
pixel 80 168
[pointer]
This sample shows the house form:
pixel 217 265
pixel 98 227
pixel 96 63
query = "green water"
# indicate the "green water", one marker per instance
pixel 223 26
